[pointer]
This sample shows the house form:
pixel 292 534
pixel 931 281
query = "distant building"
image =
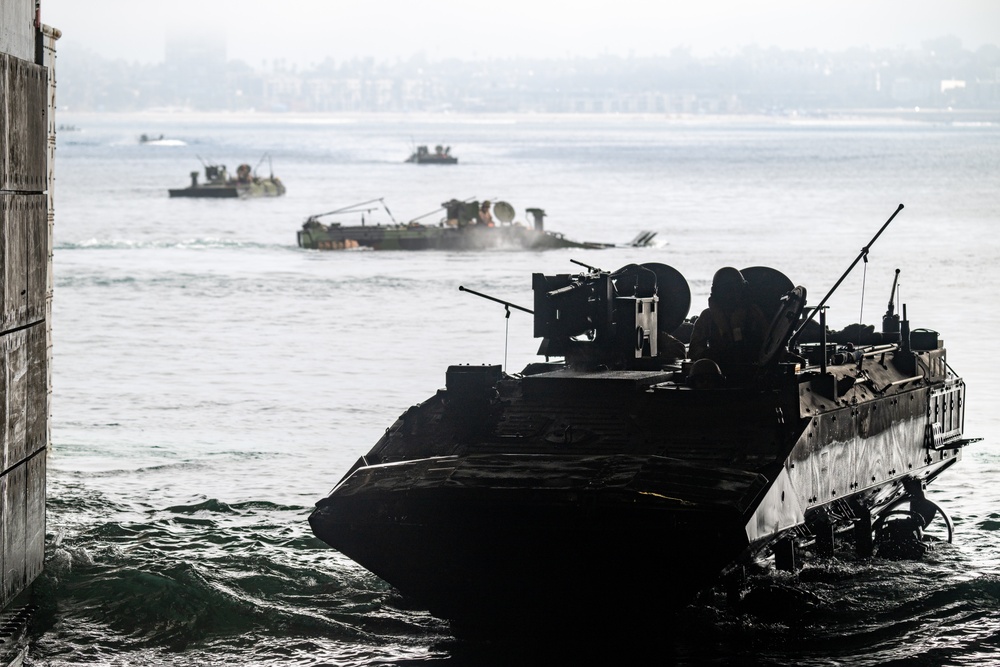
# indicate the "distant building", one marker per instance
pixel 196 75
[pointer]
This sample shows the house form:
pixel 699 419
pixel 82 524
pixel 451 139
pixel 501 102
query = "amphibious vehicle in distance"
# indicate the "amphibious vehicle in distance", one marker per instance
pixel 467 225
pixel 626 477
pixel 218 184
pixel 441 155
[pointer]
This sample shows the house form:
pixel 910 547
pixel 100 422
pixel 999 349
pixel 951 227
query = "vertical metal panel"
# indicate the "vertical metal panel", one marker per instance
pixel 36 404
pixel 3 537
pixel 14 515
pixel 15 370
pixel 23 161
pixel 35 225
pixel 13 256
pixel 4 410
pixel 16 22
pixel 36 130
pixel 5 111
pixel 35 515
pixel 23 261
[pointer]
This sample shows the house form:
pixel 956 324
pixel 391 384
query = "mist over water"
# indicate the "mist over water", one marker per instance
pixel 212 381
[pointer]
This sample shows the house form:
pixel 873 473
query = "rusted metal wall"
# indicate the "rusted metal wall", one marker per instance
pixel 27 144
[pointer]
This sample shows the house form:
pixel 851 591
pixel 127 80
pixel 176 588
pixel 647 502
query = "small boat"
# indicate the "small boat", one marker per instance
pixel 618 478
pixel 466 225
pixel 441 155
pixel 218 183
pixel 148 140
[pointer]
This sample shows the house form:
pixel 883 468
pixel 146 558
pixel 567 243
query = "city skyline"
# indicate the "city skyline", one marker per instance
pixel 196 75
pixel 307 32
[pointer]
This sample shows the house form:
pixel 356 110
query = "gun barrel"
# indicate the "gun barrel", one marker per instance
pixel 892 294
pixel 462 288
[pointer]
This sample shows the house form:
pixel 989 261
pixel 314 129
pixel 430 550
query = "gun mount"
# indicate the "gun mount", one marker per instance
pixel 609 319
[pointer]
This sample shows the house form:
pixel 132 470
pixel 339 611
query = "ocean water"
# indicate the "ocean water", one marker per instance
pixel 212 380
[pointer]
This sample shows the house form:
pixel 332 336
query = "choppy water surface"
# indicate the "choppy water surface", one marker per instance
pixel 212 381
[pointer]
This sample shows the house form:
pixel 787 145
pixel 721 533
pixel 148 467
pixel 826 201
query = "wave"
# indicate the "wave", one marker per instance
pixel 193 577
pixel 215 505
pixel 180 467
pixel 187 244
pixel 993 523
pixel 972 123
pixel 860 612
pixel 212 284
pixel 188 582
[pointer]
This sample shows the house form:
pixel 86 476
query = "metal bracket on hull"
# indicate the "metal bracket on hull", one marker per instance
pixel 935 440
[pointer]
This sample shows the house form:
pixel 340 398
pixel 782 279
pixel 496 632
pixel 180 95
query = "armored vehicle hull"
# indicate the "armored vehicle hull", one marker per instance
pixel 441 155
pixel 422 237
pixel 219 185
pixel 265 188
pixel 466 226
pixel 622 479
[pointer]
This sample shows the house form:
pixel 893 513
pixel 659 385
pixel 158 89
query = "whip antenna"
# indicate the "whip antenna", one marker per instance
pixel 862 255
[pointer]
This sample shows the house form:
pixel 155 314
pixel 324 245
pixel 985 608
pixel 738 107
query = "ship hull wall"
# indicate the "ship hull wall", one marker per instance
pixel 27 149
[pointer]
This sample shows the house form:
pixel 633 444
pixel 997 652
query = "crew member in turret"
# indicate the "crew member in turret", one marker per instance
pixel 485 217
pixel 731 330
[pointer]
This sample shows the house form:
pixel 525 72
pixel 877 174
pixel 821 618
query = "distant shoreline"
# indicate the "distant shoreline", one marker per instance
pixel 889 115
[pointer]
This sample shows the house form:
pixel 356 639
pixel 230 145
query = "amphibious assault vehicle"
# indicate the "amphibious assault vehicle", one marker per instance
pixel 467 225
pixel 218 184
pixel 441 155
pixel 623 478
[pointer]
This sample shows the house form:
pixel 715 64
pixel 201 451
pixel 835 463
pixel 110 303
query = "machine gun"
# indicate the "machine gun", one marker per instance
pixel 608 319
pixel 605 319
pixel 890 321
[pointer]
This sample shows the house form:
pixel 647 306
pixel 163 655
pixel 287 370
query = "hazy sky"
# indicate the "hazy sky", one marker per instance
pixel 308 31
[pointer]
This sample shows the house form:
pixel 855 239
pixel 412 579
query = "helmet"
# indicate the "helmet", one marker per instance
pixel 728 278
pixel 728 285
